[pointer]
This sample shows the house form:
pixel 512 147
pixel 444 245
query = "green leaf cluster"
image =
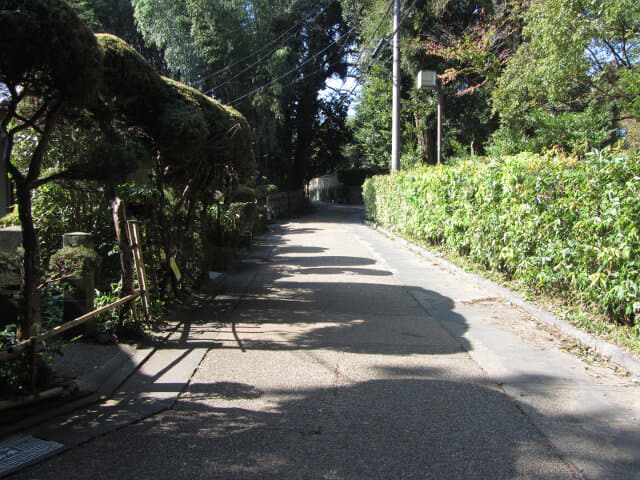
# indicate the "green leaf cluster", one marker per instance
pixel 47 50
pixel 74 261
pixel 561 226
pixel 577 67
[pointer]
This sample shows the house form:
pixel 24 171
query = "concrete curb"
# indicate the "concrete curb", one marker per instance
pixel 607 350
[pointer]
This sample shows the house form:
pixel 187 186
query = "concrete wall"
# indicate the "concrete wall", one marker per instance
pixel 10 239
pixel 285 203
pixel 326 188
pixel 329 189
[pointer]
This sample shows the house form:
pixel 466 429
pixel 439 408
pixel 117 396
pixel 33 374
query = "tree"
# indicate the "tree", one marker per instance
pixel 116 17
pixel 268 59
pixel 50 65
pixel 198 144
pixel 577 70
pixel 372 125
pixel 466 42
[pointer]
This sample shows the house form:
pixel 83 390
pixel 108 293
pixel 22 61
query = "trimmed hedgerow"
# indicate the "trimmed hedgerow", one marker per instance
pixel 562 226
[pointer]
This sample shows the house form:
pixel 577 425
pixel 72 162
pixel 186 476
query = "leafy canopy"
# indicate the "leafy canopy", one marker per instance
pixel 579 56
pixel 47 50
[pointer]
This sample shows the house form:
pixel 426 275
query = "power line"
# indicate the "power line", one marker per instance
pixel 285 35
pixel 297 67
pixel 240 99
pixel 404 17
pixel 373 35
pixel 237 100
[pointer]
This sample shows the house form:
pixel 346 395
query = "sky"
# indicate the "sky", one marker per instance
pixel 349 85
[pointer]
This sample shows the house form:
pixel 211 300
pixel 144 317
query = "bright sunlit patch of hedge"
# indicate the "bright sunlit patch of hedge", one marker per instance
pixel 563 226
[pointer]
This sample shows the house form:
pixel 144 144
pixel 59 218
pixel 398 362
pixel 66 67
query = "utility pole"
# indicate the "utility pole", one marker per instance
pixel 395 122
pixel 439 127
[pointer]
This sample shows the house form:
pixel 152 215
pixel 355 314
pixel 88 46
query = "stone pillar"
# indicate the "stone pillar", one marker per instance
pixel 10 240
pixel 78 299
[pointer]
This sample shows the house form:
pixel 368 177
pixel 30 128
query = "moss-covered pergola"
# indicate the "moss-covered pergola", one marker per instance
pixel 54 67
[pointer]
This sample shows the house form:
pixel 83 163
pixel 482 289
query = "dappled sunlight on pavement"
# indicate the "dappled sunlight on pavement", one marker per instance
pixel 327 360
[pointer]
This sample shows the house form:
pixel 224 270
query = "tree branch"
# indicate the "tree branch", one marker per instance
pixel 595 57
pixel 54 176
pixel 39 152
pixel 30 122
pixel 614 52
pixel 26 123
pixel 6 157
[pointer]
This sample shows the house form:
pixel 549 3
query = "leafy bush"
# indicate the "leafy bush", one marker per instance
pixel 560 225
pixel 73 261
pixel 355 177
pixel 10 219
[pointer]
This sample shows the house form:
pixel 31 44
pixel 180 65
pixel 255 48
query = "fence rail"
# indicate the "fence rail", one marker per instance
pixel 285 202
pixel 36 341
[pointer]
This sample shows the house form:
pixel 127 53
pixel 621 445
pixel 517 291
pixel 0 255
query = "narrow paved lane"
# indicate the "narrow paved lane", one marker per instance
pixel 338 356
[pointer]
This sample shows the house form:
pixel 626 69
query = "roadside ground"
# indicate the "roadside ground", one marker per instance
pixel 333 352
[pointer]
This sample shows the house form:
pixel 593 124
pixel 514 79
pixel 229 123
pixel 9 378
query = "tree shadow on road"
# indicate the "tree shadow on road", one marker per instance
pixel 384 418
pixel 407 423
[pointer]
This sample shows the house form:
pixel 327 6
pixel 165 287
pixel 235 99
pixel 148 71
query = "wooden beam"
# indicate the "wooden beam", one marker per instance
pixel 19 347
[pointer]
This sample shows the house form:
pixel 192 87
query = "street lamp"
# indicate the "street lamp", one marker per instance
pixel 429 79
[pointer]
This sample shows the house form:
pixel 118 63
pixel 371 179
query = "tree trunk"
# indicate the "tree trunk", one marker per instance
pixel 30 320
pixel 120 225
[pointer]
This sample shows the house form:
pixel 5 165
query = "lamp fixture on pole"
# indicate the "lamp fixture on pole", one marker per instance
pixel 429 79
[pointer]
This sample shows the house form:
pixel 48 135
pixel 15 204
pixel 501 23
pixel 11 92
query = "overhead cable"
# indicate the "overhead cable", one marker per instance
pixel 285 35
pixel 296 68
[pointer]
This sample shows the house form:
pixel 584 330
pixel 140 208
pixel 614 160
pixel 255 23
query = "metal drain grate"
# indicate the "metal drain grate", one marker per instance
pixel 18 451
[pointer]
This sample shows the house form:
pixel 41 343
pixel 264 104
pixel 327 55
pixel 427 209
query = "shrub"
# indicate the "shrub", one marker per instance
pixel 10 219
pixel 73 261
pixel 560 225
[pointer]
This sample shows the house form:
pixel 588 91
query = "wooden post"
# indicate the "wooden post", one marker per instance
pixel 33 356
pixel 139 264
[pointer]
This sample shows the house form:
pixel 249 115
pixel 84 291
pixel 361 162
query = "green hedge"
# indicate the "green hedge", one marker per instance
pixel 355 177
pixel 560 225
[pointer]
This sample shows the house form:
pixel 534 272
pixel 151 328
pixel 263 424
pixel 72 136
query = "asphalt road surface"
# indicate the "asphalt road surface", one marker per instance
pixel 334 353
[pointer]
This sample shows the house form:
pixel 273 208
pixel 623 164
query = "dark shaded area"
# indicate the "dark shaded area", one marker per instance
pixel 414 424
pixel 411 422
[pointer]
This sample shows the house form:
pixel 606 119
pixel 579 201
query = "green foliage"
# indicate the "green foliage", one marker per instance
pixel 243 193
pixel 264 188
pixel 191 131
pixel 47 49
pixel 561 226
pixel 52 306
pixel 50 68
pixel 15 375
pixel 578 68
pixel 539 130
pixel 73 261
pixel 10 219
pixel 237 51
pixel 372 125
pixel 113 321
pixel 59 210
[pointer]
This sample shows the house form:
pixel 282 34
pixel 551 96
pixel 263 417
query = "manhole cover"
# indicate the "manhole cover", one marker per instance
pixel 18 451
